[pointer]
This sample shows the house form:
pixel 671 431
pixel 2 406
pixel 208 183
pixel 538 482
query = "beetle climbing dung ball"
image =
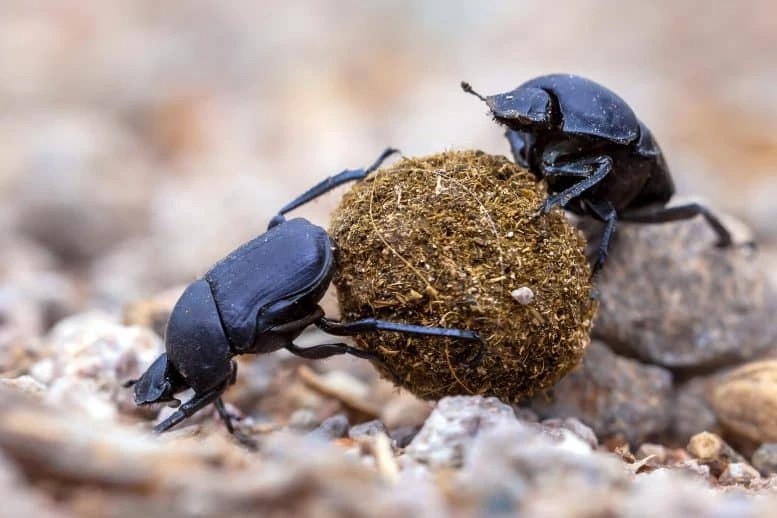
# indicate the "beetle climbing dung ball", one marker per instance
pixel 446 240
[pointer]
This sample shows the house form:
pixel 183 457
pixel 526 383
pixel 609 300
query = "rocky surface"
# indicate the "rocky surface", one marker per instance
pixel 473 456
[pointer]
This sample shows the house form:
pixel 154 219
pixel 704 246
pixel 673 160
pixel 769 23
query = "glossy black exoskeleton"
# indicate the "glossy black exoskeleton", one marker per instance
pixel 258 300
pixel 596 158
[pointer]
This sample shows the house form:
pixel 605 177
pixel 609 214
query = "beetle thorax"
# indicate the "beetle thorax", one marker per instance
pixel 195 340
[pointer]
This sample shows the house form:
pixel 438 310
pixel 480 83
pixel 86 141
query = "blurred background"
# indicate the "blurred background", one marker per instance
pixel 142 140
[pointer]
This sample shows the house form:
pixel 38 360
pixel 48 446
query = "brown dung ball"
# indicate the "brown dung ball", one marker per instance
pixel 454 240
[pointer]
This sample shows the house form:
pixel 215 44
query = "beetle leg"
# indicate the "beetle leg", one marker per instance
pixel 667 214
pixel 296 326
pixel 328 184
pixel 518 148
pixel 229 418
pixel 603 210
pixel 593 170
pixel 319 352
pixel 368 325
pixel 225 415
pixel 188 409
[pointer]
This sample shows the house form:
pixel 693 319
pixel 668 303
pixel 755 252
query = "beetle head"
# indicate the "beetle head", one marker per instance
pixel 158 384
pixel 525 108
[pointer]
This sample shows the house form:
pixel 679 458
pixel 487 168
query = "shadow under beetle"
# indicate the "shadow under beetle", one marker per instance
pixel 596 158
pixel 257 300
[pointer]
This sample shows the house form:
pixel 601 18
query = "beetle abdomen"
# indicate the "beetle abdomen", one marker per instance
pixel 287 262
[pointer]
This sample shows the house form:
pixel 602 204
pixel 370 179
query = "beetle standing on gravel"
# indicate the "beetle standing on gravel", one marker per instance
pixel 595 156
pixel 258 300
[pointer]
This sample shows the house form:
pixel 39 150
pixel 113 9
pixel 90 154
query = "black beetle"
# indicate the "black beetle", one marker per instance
pixel 257 300
pixel 595 156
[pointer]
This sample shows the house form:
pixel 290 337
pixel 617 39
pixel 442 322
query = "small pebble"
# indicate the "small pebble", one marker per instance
pixel 575 426
pixel 661 455
pixel 303 419
pixel 452 427
pixel 523 295
pixel 405 410
pixel 714 452
pixel 334 427
pixel 404 435
pixel 739 473
pixel 366 430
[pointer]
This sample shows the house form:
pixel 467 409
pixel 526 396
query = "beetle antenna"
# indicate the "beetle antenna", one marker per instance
pixel 468 88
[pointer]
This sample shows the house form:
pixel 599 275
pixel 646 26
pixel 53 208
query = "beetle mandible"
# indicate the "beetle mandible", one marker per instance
pixel 596 158
pixel 257 300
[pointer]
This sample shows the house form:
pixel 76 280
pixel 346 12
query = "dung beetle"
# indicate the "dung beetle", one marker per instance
pixel 257 300
pixel 596 158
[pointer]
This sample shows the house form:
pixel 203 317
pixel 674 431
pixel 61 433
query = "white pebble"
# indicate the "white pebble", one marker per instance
pixel 523 295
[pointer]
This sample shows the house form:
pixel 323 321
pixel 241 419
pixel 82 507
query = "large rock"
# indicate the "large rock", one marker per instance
pixel 617 397
pixel 692 412
pixel 668 295
pixel 745 401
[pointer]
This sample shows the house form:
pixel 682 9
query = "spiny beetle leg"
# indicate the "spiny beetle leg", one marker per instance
pixel 330 183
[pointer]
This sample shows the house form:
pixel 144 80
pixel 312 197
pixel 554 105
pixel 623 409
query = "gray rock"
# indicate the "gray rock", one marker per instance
pixel 575 426
pixel 516 466
pixel 403 435
pixel 303 419
pixel 330 428
pixel 692 412
pixel 671 297
pixel 525 414
pixel 405 409
pixel 739 473
pixel 765 459
pixel 617 397
pixel 452 426
pixel 368 429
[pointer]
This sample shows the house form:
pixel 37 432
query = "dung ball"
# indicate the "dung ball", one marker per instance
pixel 446 240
